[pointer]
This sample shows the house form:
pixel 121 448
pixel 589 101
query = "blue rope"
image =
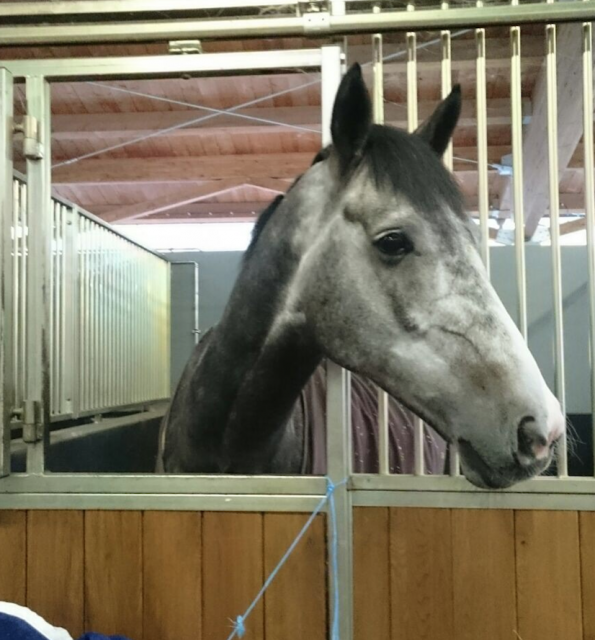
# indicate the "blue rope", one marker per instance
pixel 239 626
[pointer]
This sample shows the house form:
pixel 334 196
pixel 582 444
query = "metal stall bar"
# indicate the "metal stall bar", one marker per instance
pixel 482 143
pixel 36 414
pixel 446 78
pixel 446 87
pixel 16 293
pixel 20 302
pixel 412 122
pixel 312 23
pixel 517 172
pixel 552 121
pixel 6 269
pixel 589 188
pixel 70 327
pixel 338 401
pixel 84 342
pixel 378 106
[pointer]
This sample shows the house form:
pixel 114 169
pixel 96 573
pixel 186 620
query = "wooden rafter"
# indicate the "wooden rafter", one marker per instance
pixel 135 124
pixel 535 143
pixel 245 169
pixel 183 196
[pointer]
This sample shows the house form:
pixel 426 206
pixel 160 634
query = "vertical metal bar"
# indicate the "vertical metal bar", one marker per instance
pixel 81 317
pixel 412 122
pixel 338 405
pixel 22 301
pixel 15 293
pixel 6 269
pixel 72 311
pixel 54 314
pixel 378 72
pixel 91 362
pixel 517 173
pixel 37 402
pixel 589 189
pixel 138 325
pixel 482 144
pixel 446 87
pixel 378 105
pixel 552 121
pixel 120 318
pixel 412 115
pixel 62 336
pixel 446 78
pixel 110 320
pixel 88 320
pixel 96 357
pixel 129 326
pixel 104 291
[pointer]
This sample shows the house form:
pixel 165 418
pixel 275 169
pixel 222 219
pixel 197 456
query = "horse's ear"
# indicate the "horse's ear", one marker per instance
pixel 352 116
pixel 438 129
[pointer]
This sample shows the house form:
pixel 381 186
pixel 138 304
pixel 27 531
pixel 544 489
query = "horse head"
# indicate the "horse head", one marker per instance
pixel 390 284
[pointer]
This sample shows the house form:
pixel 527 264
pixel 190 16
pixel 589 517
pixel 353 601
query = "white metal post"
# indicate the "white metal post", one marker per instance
pixel 589 189
pixel 482 142
pixel 517 171
pixel 338 399
pixel 39 203
pixel 6 268
pixel 558 298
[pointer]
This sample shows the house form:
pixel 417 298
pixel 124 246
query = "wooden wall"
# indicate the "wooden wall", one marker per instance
pixel 420 574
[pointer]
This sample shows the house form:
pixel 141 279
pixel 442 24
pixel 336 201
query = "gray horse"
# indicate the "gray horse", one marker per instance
pixel 370 261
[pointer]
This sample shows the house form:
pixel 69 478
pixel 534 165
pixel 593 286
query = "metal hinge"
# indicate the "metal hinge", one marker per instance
pixel 185 46
pixel 317 16
pixel 30 127
pixel 32 421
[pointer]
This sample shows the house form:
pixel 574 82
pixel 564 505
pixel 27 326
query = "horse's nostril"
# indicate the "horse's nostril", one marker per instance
pixel 531 441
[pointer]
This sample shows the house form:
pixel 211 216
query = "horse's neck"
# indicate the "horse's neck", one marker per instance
pixel 250 374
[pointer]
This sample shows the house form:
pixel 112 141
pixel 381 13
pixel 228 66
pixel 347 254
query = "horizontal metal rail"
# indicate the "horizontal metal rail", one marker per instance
pixel 316 24
pixel 69 10
pixel 162 66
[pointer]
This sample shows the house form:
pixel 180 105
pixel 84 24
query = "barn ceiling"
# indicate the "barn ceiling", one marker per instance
pixel 119 150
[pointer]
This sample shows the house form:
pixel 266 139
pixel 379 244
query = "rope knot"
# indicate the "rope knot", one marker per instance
pixel 330 487
pixel 239 627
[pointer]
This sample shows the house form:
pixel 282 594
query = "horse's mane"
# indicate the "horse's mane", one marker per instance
pixel 267 214
pixel 396 159
pixel 406 164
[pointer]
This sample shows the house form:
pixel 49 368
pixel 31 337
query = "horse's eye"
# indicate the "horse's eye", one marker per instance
pixel 394 244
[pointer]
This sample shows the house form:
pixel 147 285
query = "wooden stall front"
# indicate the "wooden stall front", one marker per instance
pixel 420 574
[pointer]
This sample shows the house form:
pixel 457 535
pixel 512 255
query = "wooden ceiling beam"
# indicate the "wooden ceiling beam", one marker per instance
pixel 200 208
pixel 535 139
pixel 185 195
pixel 135 124
pixel 244 169
pixel 573 202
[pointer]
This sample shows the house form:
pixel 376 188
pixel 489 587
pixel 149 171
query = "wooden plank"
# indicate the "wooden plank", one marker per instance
pixel 55 541
pixel 484 574
pixel 548 575
pixel 371 573
pixel 570 128
pixel 113 573
pixel 587 541
pixel 233 572
pixel 82 126
pixel 421 574
pixel 13 556
pixel 244 168
pixel 295 603
pixel 181 197
pixel 172 547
